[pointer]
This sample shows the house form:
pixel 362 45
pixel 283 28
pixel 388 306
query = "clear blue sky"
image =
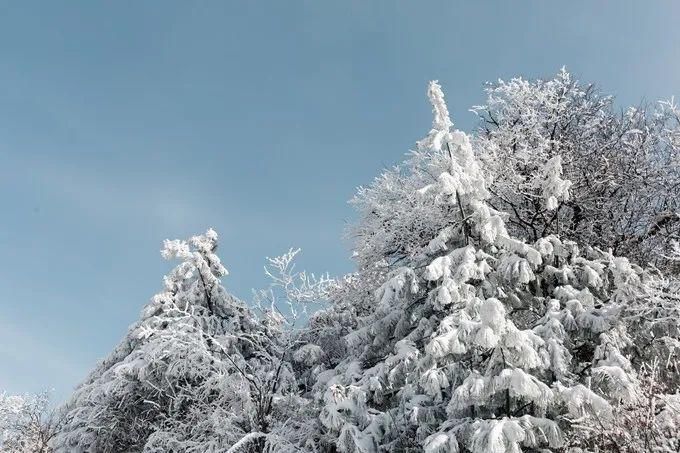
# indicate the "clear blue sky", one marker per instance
pixel 124 123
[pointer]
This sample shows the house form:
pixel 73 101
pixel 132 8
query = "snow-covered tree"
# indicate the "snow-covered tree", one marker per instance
pixel 291 295
pixel 649 424
pixel 285 306
pixel 560 159
pixel 476 341
pixel 199 372
pixel 653 320
pixel 27 424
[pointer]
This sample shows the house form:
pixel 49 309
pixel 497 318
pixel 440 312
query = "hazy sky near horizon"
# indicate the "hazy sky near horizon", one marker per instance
pixel 125 123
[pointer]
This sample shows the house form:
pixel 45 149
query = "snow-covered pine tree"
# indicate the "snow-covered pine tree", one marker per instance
pixel 477 341
pixel 197 373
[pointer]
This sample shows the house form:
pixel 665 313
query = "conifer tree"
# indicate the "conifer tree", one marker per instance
pixel 478 342
pixel 197 373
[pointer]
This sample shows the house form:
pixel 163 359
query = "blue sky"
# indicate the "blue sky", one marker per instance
pixel 125 123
